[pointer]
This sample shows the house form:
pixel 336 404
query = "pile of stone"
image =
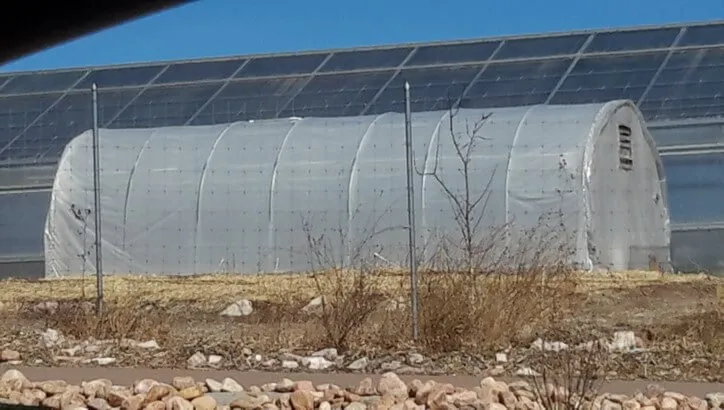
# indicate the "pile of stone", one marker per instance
pixel 390 392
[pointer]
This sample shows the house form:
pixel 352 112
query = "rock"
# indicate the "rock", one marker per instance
pixel 268 387
pixel 178 403
pixel 157 392
pixel 667 403
pixel 631 404
pixel 695 403
pixel 51 337
pixel 190 393
pixel 52 387
pixel 155 405
pixel 676 396
pixel 365 387
pixel 623 341
pixel 98 404
pixel 290 364
pixel 391 384
pixel 52 402
pixel 149 344
pixel 314 305
pixel 196 360
pixel 213 385
pixel 422 391
pixel 303 385
pixel 143 386
pixel 415 359
pixel 501 357
pixel 527 372
pixel 324 406
pixel 539 344
pixel 103 361
pixel 8 355
pixel 316 363
pixel 330 354
pixel 610 405
pixel 117 395
pixel 302 400
pixel 133 403
pixel 180 383
pixel 464 398
pixel 356 406
pixel 508 398
pixel 391 366
pixel 231 386
pixel 247 402
pixel 14 379
pixel 495 406
pixel 204 403
pixel 359 364
pixel 239 308
pixel 215 360
pixel 96 388
pixel 715 400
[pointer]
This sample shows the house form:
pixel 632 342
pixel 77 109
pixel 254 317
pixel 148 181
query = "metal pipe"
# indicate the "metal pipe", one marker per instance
pixel 97 203
pixel 411 213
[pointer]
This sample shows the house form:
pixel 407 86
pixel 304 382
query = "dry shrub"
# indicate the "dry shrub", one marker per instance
pixel 121 319
pixel 490 310
pixel 705 328
pixel 349 300
pixel 570 379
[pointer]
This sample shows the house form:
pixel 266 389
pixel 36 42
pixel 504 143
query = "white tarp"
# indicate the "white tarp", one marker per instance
pixel 237 197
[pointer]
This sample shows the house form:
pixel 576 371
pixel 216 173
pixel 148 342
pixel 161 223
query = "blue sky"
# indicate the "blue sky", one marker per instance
pixel 210 28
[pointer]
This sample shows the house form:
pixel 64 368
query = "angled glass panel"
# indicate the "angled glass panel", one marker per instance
pixel 18 112
pixel 703 35
pixel 517 83
pixel 282 65
pixel 605 78
pixel 250 99
pixel 696 188
pixel 541 46
pixel 689 134
pixel 72 115
pixel 120 77
pixel 42 82
pixel 4 80
pixel 336 95
pixel 453 53
pixel 165 106
pixel 22 220
pixel 356 60
pixel 430 89
pixel 633 40
pixel 690 85
pixel 198 71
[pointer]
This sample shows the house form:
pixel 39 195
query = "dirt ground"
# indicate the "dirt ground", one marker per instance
pixel 677 319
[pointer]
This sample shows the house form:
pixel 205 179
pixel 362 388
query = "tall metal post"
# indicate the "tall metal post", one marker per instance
pixel 411 214
pixel 97 202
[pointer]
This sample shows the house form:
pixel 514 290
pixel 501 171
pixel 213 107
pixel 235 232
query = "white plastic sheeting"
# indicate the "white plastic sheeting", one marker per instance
pixel 237 197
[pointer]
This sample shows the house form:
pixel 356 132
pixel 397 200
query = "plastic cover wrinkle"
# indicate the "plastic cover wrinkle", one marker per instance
pixel 130 182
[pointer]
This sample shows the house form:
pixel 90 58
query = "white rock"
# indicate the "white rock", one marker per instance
pixel 313 305
pixel 241 307
pixel 49 307
pixel 149 344
pixel 196 360
pixel 526 371
pixel 328 353
pixel 359 364
pixel 73 350
pixel 501 357
pixel 290 364
pixel 215 359
pixel 214 386
pixel 104 361
pixel 52 337
pixel 623 341
pixel 415 358
pixel 716 400
pixel 231 386
pixel 548 346
pixel 316 363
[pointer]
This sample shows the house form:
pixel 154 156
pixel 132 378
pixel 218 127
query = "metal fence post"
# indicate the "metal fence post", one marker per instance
pixel 97 202
pixel 411 213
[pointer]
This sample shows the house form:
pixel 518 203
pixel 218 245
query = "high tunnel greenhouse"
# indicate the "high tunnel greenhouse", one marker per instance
pixel 247 196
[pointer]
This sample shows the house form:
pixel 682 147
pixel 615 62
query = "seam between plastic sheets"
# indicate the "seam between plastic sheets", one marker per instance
pixel 131 174
pixel 202 179
pixel 509 161
pixel 272 185
pixel 353 180
pixel 423 184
